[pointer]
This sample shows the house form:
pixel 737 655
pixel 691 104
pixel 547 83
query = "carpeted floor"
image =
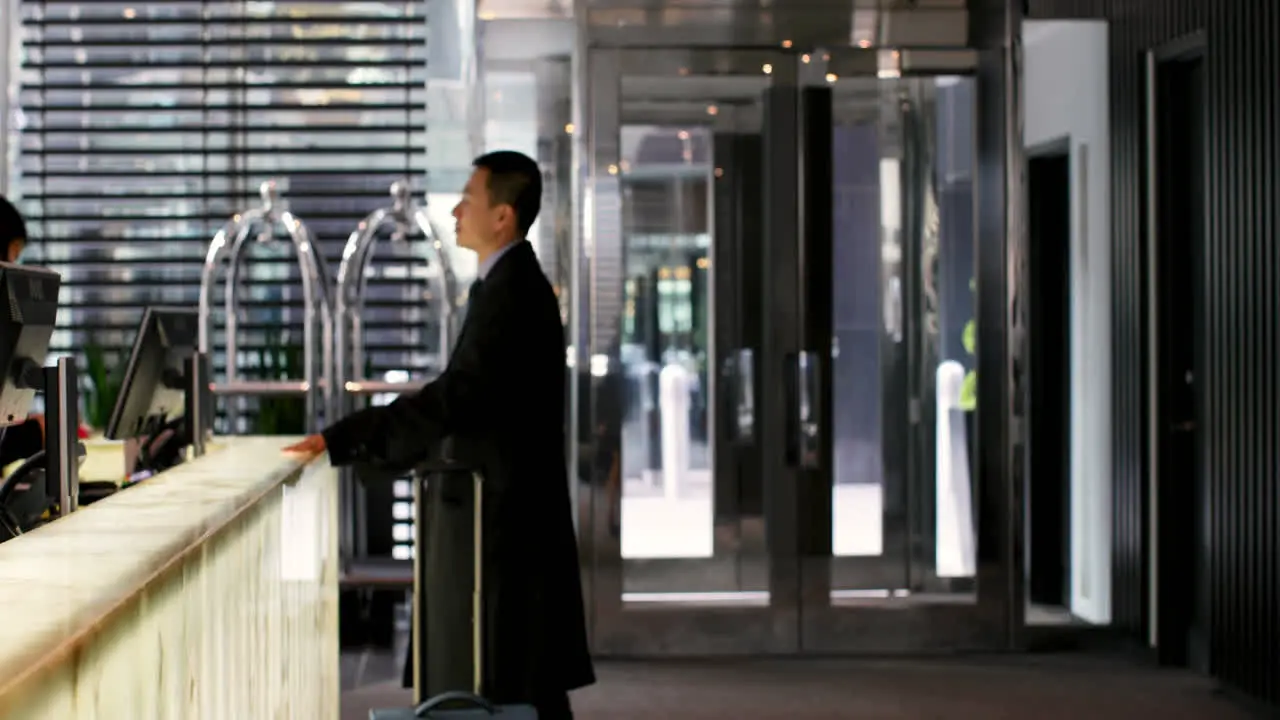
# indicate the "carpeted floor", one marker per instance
pixel 1025 687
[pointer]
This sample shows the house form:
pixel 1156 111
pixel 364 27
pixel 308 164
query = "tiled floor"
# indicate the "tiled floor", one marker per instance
pixel 1022 687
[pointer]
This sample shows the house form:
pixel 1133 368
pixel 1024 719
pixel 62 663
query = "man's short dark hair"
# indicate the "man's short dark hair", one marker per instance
pixel 515 180
pixel 11 225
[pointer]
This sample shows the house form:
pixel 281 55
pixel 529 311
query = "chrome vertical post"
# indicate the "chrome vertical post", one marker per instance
pixel 62 462
pixel 445 286
pixel 197 402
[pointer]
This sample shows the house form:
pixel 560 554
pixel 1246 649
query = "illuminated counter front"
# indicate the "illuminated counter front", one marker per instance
pixel 207 592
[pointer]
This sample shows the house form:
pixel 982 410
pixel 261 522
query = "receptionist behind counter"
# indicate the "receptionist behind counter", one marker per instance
pixel 19 441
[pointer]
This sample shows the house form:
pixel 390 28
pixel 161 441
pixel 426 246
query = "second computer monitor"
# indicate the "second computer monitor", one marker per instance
pixel 152 394
pixel 28 310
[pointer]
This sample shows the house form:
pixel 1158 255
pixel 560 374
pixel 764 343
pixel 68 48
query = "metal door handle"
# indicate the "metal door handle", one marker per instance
pixel 808 405
pixel 893 308
pixel 738 372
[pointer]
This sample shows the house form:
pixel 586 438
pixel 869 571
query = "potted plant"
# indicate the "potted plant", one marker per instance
pixel 280 415
pixel 101 385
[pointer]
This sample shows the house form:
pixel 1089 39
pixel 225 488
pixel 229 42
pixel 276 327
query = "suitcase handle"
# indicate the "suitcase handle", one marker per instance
pixel 445 467
pixel 451 696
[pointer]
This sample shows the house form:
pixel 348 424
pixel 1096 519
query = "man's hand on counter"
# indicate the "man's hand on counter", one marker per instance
pixel 309 447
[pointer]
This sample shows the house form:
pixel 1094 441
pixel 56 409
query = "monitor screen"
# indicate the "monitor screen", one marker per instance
pixel 28 313
pixel 153 391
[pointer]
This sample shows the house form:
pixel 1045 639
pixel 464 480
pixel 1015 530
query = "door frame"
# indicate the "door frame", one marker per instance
pixel 1178 623
pixel 798 615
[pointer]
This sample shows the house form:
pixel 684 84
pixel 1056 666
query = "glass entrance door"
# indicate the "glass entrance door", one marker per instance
pixel 775 300
pixel 680 520
pixel 889 536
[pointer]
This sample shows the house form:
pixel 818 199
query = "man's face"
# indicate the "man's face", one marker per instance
pixel 473 214
pixel 479 223
pixel 16 246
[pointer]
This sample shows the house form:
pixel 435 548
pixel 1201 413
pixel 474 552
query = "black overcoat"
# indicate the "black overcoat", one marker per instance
pixel 500 404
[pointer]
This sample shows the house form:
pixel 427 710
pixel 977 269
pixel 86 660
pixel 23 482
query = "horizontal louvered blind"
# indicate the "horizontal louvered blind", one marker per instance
pixel 147 124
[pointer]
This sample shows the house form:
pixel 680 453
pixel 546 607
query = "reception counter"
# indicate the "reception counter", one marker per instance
pixel 209 591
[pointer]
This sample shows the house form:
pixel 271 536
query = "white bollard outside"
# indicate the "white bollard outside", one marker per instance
pixel 674 385
pixel 954 532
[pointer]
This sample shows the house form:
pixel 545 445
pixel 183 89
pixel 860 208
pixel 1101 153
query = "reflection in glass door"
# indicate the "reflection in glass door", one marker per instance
pixel 889 264
pixel 677 527
pixel 665 468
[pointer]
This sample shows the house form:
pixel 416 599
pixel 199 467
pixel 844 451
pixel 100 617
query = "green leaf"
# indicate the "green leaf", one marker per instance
pixel 969 391
pixel 102 384
pixel 969 339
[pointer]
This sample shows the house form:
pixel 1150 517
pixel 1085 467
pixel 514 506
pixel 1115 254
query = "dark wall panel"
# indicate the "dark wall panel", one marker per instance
pixel 1240 300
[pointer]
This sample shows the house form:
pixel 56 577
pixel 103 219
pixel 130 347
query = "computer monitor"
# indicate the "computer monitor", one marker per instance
pixel 28 312
pixel 153 394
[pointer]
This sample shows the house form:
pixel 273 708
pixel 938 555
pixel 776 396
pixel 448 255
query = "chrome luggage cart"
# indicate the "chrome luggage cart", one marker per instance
pixel 228 249
pixel 404 218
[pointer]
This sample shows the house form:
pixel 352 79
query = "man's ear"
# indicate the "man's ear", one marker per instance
pixel 507 214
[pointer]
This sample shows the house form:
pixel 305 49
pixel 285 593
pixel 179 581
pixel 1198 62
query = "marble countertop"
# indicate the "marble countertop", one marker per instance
pixel 103 462
pixel 59 582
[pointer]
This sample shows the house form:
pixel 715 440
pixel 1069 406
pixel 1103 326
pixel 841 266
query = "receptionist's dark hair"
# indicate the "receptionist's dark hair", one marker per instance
pixel 11 225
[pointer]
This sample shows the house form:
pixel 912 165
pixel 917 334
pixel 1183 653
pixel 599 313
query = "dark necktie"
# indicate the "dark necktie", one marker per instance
pixel 473 294
pixel 477 288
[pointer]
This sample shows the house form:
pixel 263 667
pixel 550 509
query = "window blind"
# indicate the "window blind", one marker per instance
pixel 146 125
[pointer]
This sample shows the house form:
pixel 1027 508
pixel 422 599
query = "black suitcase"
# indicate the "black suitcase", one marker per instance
pixel 448 621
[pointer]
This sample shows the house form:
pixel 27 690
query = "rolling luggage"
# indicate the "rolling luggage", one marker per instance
pixel 448 611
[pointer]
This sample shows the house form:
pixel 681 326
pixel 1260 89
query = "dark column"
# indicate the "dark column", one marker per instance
pixel 780 339
pixel 1001 309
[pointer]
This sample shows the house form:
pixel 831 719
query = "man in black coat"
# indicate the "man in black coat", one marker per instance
pixel 501 405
